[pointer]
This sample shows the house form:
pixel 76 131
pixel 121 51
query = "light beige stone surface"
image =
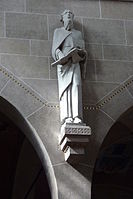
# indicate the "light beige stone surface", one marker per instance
pixel 130 89
pixel 118 105
pixel 117 9
pixel 104 31
pixel 53 70
pixel 21 98
pixel 115 52
pixel 94 91
pixel 45 7
pixel 129 31
pixel 71 182
pixel 94 51
pixel 53 22
pixel 113 71
pixel 2 24
pixel 12 5
pixel 90 71
pixel 26 66
pixel 86 8
pixel 26 28
pixel 46 122
pixel 3 81
pixel 14 46
pixel 46 88
pixel 41 48
pixel 130 53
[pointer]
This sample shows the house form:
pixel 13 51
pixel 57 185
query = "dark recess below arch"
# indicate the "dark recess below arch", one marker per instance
pixel 11 142
pixel 113 172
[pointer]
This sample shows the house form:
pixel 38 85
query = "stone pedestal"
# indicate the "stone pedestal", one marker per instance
pixel 73 140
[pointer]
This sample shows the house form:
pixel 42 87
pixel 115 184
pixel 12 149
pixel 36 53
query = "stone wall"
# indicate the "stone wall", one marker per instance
pixel 30 84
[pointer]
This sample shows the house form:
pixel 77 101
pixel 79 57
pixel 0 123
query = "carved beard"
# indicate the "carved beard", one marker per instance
pixel 68 25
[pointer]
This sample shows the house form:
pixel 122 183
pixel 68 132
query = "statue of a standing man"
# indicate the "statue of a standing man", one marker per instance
pixel 67 41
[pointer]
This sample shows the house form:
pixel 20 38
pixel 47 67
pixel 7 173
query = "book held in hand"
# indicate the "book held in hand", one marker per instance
pixel 75 54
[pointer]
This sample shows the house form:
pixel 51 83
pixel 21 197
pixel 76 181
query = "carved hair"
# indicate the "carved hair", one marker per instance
pixel 62 14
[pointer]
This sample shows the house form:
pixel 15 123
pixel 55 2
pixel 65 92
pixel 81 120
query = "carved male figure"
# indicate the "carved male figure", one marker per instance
pixel 69 73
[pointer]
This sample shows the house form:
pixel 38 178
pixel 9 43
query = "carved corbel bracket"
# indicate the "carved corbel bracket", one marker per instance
pixel 73 140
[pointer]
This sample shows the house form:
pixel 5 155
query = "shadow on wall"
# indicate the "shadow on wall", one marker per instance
pixel 21 171
pixel 89 92
pixel 113 172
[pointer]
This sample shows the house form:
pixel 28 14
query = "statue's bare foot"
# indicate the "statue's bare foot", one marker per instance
pixel 69 120
pixel 77 120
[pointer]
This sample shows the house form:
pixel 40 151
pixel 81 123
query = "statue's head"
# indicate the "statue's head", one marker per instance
pixel 67 15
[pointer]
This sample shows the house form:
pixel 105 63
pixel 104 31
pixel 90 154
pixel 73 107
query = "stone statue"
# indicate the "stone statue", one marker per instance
pixel 70 58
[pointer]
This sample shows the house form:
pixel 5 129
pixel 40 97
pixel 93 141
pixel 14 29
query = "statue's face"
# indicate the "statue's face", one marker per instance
pixel 68 16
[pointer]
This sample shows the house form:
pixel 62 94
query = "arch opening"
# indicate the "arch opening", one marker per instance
pixel 28 164
pixel 113 171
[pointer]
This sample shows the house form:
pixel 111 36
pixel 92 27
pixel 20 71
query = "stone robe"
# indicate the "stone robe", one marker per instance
pixel 69 75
